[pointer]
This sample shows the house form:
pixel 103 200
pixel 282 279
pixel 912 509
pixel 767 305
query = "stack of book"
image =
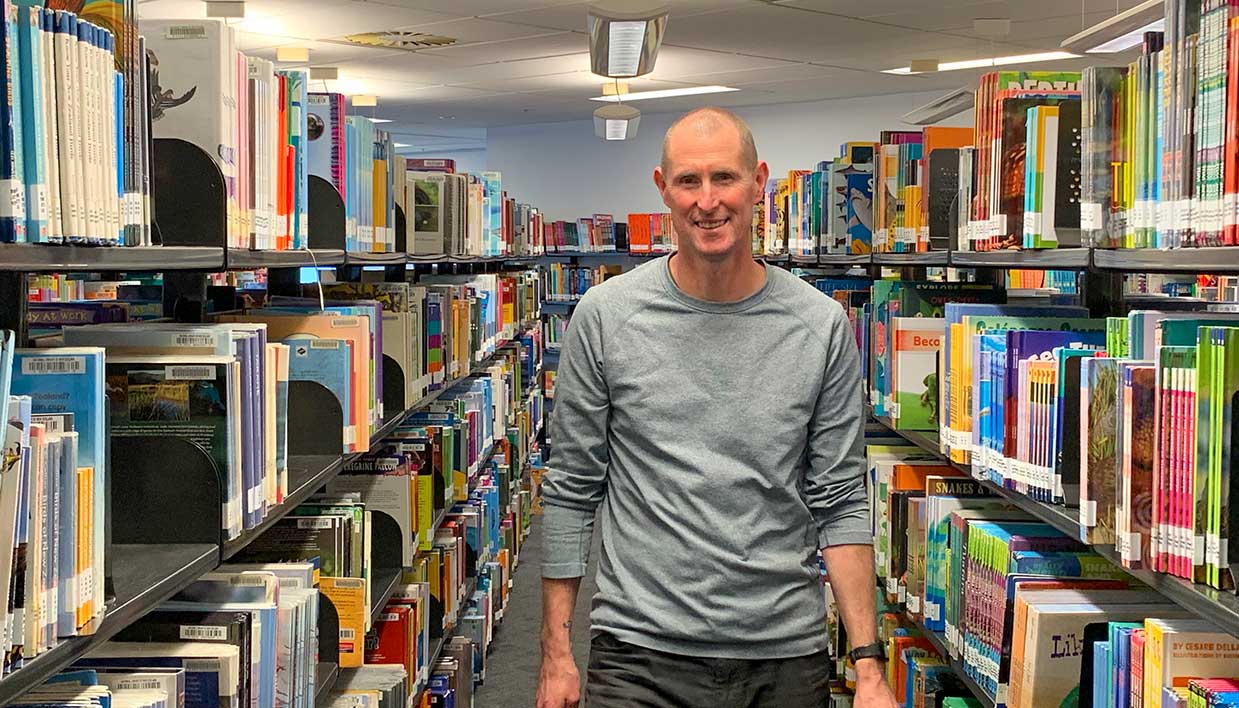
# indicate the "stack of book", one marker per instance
pixel 567 283
pixel 248 117
pixel 651 233
pixel 465 214
pixel 1161 169
pixel 52 496
pixel 74 126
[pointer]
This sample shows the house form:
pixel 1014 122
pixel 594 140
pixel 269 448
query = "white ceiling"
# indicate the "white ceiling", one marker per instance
pixel 527 61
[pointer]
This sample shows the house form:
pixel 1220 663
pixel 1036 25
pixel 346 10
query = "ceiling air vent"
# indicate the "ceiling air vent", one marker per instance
pixel 400 40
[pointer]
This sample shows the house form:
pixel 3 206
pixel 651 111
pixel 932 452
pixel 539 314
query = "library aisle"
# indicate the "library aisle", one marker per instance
pixel 512 667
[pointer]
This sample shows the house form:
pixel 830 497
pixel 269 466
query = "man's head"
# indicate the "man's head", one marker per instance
pixel 710 178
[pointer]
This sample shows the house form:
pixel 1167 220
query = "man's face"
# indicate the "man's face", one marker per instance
pixel 710 191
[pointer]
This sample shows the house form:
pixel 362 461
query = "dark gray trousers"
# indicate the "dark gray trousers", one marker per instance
pixel 622 675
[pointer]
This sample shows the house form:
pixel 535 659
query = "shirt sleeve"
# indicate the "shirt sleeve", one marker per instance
pixel 834 486
pixel 575 480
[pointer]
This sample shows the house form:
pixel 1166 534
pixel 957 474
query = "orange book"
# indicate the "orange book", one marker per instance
pixel 911 478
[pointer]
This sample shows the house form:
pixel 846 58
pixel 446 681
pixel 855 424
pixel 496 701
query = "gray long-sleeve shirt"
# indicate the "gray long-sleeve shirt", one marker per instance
pixel 720 445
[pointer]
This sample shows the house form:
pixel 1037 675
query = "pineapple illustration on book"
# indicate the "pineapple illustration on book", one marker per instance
pixel 929 399
pixel 161 99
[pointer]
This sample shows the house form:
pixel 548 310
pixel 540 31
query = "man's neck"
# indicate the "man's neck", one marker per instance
pixel 730 280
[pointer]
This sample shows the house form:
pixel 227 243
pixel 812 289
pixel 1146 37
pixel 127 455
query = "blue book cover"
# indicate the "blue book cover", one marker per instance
pixel 1120 656
pixel 1101 671
pixel 30 61
pixel 328 362
pixel 12 168
pixel 71 380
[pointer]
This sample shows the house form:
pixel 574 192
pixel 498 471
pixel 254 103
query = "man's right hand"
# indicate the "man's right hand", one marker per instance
pixel 559 683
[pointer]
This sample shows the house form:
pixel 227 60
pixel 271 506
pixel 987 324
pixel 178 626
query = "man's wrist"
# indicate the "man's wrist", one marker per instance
pixel 556 640
pixel 871 669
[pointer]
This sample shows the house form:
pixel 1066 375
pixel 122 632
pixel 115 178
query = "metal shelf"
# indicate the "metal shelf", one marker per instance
pixel 244 259
pixel 41 258
pixel 960 671
pixel 844 259
pixel 928 259
pixel 359 258
pixel 306 475
pixel 1047 259
pixel 143 576
pixel 381 588
pixel 1221 259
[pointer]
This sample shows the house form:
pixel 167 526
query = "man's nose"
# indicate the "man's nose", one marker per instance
pixel 707 199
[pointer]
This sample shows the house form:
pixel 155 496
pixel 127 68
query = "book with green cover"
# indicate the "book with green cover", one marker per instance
pixel 1116 336
pixel 1205 433
pixel 1099 377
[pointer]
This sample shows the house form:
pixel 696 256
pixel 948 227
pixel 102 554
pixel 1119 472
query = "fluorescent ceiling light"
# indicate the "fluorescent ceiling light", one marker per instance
pixel 624 36
pixel 941 108
pixel 365 100
pixel 1122 31
pixel 293 54
pixel 991 61
pixel 664 93
pixel 401 145
pixel 380 120
pixel 616 122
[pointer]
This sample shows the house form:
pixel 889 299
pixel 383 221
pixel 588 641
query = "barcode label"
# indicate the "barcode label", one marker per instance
pixel 389 617
pixel 349 582
pixel 347 634
pixel 189 373
pixel 206 666
pixel 194 340
pixel 253 580
pixel 341 322
pixel 914 604
pixel 314 523
pixel 138 684
pixel 53 365
pixel 207 632
pixel 324 344
pixel 185 32
pixel 59 423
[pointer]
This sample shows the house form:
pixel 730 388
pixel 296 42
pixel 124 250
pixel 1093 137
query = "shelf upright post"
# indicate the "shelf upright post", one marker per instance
pixel 13 289
pixel 1102 292
pixel 185 295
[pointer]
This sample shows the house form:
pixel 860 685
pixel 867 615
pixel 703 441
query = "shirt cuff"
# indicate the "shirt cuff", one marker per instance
pixel 566 537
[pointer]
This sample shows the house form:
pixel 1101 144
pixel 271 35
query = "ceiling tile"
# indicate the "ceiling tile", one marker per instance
pixel 549 45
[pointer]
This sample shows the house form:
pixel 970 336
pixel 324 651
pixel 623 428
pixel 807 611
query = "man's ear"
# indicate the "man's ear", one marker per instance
pixel 760 176
pixel 660 180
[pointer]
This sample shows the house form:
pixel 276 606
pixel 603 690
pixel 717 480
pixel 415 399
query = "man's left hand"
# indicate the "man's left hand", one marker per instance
pixel 871 688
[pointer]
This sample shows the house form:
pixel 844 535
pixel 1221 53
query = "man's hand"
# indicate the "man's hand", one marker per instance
pixel 871 688
pixel 559 683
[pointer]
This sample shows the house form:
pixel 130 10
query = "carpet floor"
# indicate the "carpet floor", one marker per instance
pixel 512 664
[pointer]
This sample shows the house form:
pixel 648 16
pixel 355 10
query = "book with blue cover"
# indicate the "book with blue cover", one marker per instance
pixel 327 362
pixel 212 671
pixel 12 166
pixel 30 63
pixel 71 380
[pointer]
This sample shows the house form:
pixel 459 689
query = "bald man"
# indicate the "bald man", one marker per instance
pixel 708 413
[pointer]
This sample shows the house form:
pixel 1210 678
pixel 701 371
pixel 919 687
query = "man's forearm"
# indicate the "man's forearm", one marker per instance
pixel 558 604
pixel 852 579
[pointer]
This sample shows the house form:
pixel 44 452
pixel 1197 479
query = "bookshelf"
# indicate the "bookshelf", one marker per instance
pixel 1218 606
pixel 939 643
pixel 143 577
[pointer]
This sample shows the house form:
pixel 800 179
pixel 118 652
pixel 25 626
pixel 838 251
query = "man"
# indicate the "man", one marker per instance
pixel 709 409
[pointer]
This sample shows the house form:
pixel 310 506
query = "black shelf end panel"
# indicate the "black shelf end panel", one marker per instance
pixel 306 475
pixel 189 195
pixel 325 215
pixel 921 259
pixel 144 576
pixel 1222 259
pixel 386 554
pixel 245 259
pixel 1046 259
pixel 47 258
pixel 325 680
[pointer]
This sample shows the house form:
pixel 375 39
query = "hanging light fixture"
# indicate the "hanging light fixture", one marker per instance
pixel 624 36
pixel 616 122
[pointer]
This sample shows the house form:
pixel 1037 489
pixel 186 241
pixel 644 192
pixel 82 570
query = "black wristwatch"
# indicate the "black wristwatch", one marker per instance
pixel 877 650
